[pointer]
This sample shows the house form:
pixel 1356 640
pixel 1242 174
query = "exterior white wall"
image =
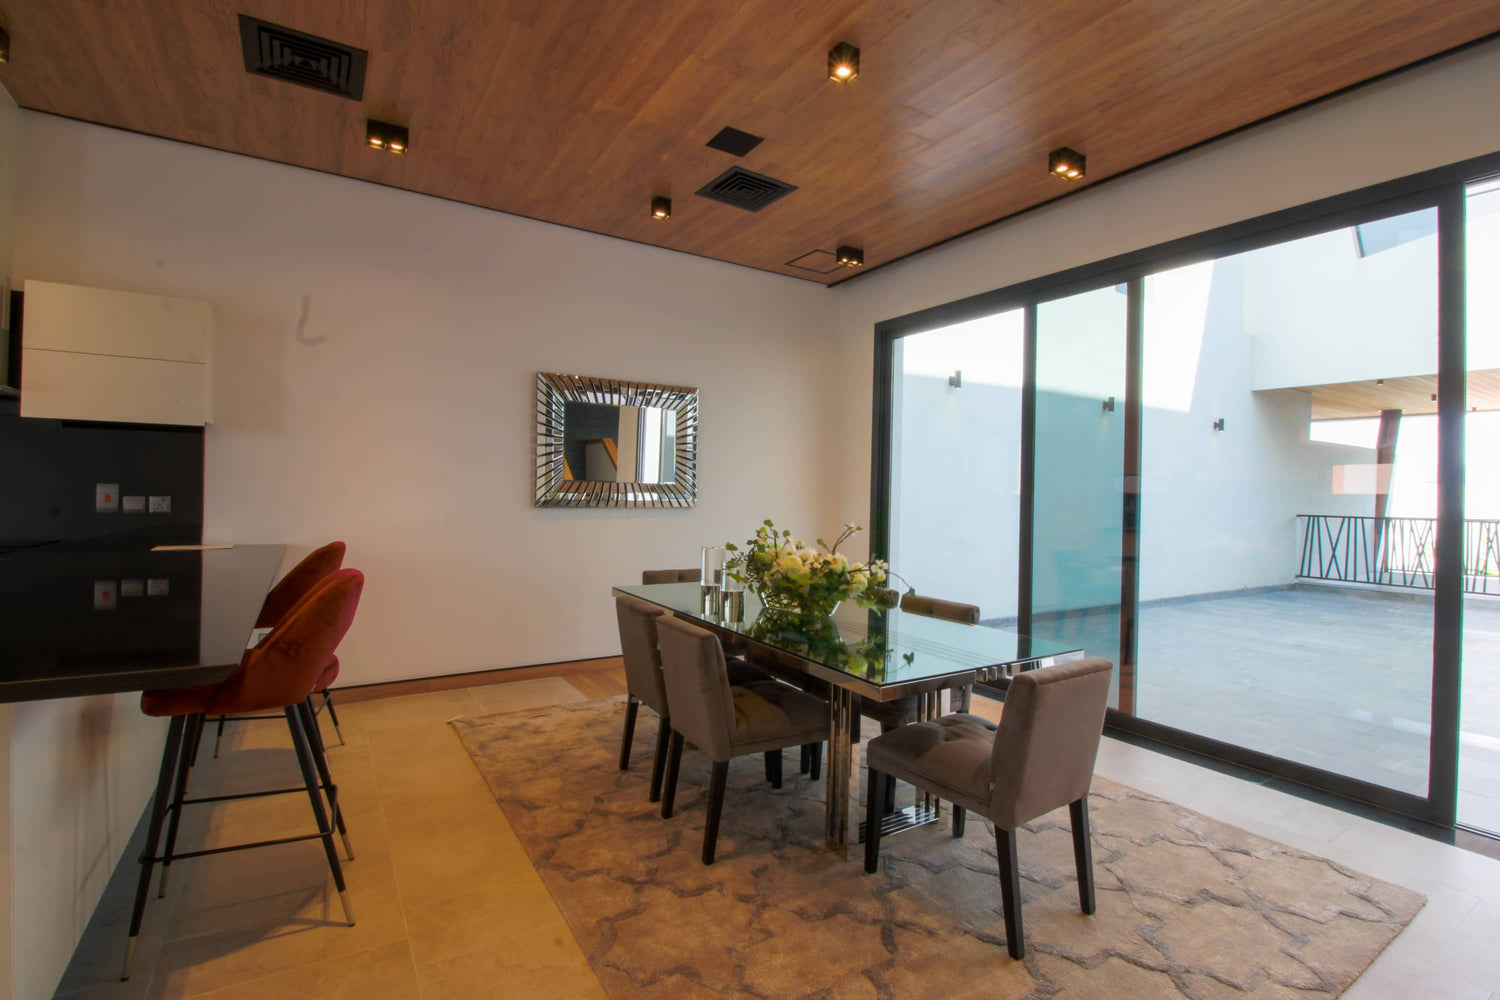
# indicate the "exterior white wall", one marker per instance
pixel 376 354
pixel 1321 314
pixel 1415 121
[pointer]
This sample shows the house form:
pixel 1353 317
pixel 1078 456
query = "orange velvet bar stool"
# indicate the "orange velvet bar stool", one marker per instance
pixel 290 589
pixel 279 673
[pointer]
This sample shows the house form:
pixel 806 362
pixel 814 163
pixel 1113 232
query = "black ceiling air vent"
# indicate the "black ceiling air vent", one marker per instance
pixel 284 54
pixel 745 189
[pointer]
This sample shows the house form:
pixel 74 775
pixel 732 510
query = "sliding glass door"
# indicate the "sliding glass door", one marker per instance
pixel 956 460
pixel 1288 502
pixel 1078 471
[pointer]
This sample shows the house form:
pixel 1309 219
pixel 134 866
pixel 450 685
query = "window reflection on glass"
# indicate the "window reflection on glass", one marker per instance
pixel 619 444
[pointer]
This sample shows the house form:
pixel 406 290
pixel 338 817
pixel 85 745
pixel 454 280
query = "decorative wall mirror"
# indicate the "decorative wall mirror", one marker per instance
pixel 606 443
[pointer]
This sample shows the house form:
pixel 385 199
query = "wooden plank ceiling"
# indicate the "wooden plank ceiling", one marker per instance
pixel 1411 394
pixel 579 111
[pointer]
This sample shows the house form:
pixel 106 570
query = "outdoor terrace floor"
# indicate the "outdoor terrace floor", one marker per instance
pixel 1336 677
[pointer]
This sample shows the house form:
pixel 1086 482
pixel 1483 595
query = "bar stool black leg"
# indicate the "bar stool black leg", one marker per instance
pixel 333 716
pixel 219 738
pixel 153 834
pixel 659 762
pixel 310 721
pixel 184 769
pixel 310 778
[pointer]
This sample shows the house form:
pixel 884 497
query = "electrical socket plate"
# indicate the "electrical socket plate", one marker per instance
pixel 132 588
pixel 133 505
pixel 161 505
pixel 157 588
pixel 106 498
pixel 104 595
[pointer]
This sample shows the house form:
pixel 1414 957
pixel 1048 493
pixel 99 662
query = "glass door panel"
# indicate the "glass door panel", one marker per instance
pixel 1078 476
pixel 1288 499
pixel 1479 716
pixel 955 462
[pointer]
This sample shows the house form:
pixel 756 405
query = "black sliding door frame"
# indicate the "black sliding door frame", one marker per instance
pixel 1442 189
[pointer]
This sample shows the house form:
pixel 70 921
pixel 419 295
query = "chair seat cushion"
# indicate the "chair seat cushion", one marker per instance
pixel 327 677
pixel 769 716
pixel 949 756
pixel 178 701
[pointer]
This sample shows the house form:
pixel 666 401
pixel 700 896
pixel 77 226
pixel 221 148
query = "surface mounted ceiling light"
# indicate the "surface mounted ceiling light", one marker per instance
pixel 1066 163
pixel 851 256
pixel 843 62
pixel 4 45
pixel 384 135
pixel 661 208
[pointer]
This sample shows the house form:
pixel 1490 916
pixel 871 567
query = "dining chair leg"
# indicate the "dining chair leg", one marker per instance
pixel 219 737
pixel 631 707
pixel 958 821
pixel 659 759
pixel 333 716
pixel 674 760
pixel 1083 852
pixel 874 809
pixel 320 760
pixel 890 795
pixel 804 762
pixel 198 739
pixel 815 769
pixel 716 783
pixel 773 768
pixel 184 767
pixel 153 834
pixel 303 748
pixel 1010 891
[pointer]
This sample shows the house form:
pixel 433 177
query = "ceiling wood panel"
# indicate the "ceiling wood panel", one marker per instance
pixel 1411 394
pixel 577 112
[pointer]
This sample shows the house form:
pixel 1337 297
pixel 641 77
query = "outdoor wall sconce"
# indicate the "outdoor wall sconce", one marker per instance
pixel 843 62
pixel 1219 424
pixel 1109 405
pixel 661 208
pixel 1066 163
pixel 386 136
pixel 851 256
pixel 956 380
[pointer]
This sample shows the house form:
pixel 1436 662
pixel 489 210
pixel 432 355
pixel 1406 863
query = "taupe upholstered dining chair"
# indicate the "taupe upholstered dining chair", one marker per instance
pixel 725 721
pixel 643 681
pixel 649 576
pixel 1040 757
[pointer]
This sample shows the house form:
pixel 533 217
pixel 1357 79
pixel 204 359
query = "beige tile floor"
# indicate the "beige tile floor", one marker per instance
pixel 448 905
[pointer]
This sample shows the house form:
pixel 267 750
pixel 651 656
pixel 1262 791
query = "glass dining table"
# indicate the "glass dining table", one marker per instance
pixel 882 655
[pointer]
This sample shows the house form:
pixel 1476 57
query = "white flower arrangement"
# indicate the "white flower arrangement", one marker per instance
pixel 787 574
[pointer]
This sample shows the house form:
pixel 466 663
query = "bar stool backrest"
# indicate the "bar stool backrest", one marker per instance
pixel 300 579
pixel 282 670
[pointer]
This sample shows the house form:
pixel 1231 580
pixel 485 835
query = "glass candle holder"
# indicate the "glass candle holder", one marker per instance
pixel 712 597
pixel 733 599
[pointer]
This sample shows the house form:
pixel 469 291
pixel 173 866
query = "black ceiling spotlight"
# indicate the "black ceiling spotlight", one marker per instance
pixel 1066 163
pixel 386 136
pixel 851 256
pixel 843 62
pixel 4 45
pixel 661 208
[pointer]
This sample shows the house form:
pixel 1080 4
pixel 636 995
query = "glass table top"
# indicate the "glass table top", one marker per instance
pixel 884 654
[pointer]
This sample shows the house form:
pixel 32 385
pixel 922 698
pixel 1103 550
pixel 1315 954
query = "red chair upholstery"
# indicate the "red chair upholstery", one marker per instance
pixel 290 589
pixel 279 673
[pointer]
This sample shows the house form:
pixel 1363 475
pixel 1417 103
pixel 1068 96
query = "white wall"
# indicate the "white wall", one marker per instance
pixel 376 355
pixel 1418 120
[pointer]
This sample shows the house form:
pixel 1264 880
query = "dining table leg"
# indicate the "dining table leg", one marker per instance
pixel 842 774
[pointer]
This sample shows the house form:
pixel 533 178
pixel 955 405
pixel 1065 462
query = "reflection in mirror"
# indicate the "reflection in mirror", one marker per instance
pixel 619 444
pixel 609 443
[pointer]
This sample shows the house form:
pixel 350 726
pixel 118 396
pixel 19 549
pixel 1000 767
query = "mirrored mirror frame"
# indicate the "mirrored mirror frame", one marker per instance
pixel 555 390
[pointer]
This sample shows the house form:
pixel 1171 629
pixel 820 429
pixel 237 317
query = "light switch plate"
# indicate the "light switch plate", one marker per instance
pixel 105 593
pixel 133 505
pixel 157 588
pixel 161 505
pixel 106 498
pixel 132 588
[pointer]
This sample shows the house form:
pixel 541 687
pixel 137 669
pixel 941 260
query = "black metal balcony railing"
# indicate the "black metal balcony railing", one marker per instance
pixel 1394 551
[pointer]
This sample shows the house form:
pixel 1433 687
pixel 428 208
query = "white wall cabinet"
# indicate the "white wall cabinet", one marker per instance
pixel 96 354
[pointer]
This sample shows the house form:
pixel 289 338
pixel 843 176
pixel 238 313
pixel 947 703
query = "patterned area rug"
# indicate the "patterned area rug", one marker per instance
pixel 1188 906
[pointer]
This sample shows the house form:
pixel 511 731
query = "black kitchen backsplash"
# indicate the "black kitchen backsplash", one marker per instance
pixel 49 470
